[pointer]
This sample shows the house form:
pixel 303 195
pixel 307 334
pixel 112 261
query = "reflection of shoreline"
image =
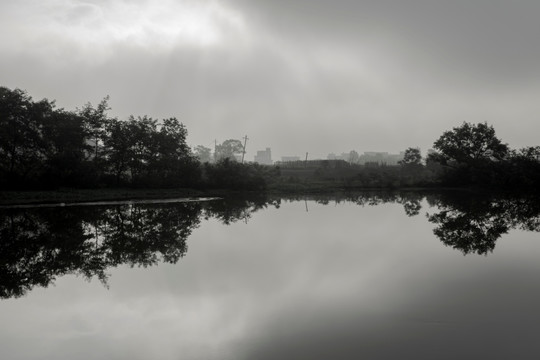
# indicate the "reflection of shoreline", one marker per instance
pixel 39 244
pixel 466 222
pixel 110 202
pixel 474 224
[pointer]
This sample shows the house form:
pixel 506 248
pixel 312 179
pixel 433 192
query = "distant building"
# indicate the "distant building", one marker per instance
pixel 264 157
pixel 368 157
pixel 343 156
pixel 380 158
pixel 290 158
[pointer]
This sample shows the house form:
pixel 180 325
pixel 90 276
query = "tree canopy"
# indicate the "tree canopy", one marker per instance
pixel 43 147
pixel 468 144
pixel 412 156
pixel 229 149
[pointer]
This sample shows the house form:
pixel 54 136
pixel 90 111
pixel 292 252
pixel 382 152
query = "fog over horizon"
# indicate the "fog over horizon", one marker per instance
pixel 296 76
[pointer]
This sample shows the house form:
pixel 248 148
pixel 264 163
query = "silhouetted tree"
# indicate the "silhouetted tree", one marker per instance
pixel 468 144
pixel 522 170
pixel 412 170
pixel 21 144
pixel 143 148
pixel 412 156
pixel 117 149
pixel 470 155
pixel 176 164
pixel 95 122
pixel 65 150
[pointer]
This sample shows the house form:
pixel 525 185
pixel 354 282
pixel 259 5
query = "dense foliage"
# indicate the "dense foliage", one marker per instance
pixel 42 147
pixel 472 155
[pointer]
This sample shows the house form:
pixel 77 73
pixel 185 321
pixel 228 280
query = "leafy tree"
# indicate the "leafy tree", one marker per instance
pixel 522 169
pixel 177 165
pixel 412 156
pixel 143 146
pixel 530 153
pixel 64 149
pixel 229 149
pixel 203 153
pixel 96 122
pixel 469 144
pixel 470 155
pixel 117 144
pixel 22 147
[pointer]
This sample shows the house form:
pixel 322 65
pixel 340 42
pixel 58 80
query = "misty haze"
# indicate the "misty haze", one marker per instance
pixel 237 180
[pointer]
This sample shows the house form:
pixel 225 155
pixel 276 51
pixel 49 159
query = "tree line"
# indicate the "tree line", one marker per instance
pixel 469 155
pixel 472 155
pixel 43 147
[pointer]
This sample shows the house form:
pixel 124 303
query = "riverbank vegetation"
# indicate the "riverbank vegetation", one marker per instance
pixel 45 148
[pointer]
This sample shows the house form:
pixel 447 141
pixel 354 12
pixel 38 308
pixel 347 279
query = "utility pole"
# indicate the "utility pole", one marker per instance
pixel 244 150
pixel 305 165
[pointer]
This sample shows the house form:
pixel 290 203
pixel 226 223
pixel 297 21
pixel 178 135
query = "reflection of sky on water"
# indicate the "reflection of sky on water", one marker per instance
pixel 339 281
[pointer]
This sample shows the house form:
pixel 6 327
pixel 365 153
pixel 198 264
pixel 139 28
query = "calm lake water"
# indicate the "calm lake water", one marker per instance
pixel 363 276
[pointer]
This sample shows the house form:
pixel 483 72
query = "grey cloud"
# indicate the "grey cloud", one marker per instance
pixel 300 76
pixel 478 40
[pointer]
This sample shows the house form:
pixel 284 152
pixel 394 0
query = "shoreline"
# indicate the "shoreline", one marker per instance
pixel 71 196
pixel 68 197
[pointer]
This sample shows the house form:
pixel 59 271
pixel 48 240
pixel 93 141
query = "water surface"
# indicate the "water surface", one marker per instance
pixel 364 276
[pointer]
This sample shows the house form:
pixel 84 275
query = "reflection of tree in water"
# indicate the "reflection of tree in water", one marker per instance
pixel 473 224
pixel 35 246
pixel 138 235
pixel 466 222
pixel 39 244
pixel 409 200
pixel 232 209
pixel 412 207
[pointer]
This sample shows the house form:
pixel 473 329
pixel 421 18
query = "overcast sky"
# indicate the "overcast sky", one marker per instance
pixel 297 76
